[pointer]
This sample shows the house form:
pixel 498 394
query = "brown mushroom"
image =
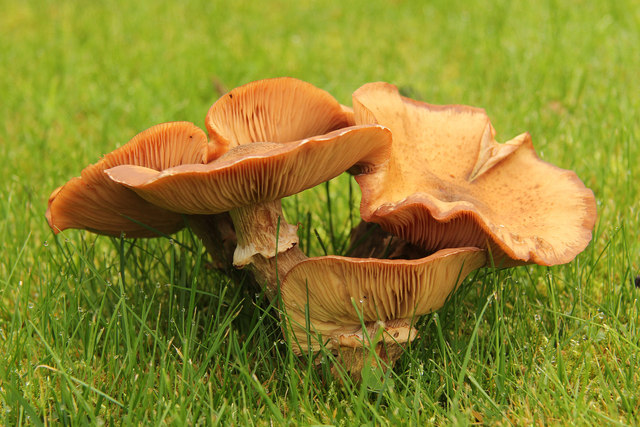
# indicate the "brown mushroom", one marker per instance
pixel 448 183
pixel 348 303
pixel 94 202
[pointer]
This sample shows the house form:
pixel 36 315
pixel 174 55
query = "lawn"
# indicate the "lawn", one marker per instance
pixel 100 330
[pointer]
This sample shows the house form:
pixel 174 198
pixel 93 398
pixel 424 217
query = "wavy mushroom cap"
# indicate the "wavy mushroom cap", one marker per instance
pixel 94 202
pixel 337 292
pixel 448 183
pixel 281 109
pixel 258 172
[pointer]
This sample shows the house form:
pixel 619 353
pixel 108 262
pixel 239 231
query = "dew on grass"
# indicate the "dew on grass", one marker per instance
pixel 45 244
pixel 30 305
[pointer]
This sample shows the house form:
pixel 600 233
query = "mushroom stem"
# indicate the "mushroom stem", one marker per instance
pixel 261 229
pixel 267 242
pixel 217 236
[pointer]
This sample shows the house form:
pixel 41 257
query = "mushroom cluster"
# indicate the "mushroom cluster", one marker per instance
pixel 432 175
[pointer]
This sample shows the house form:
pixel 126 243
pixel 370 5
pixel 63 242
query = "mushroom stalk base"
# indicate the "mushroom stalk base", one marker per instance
pixel 354 360
pixel 382 345
pixel 376 347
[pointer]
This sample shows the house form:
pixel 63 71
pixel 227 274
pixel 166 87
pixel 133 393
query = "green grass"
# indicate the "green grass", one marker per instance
pixel 100 330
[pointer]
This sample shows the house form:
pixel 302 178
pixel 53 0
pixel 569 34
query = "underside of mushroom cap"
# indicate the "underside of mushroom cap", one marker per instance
pixel 258 172
pixel 96 203
pixel 448 183
pixel 340 293
pixel 281 109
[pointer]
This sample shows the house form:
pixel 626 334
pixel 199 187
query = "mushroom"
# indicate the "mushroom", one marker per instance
pixel 281 139
pixel 94 202
pixel 346 304
pixel 448 183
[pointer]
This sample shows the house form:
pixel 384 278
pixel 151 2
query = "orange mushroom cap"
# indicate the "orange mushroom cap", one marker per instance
pixel 258 172
pixel 281 109
pixel 448 183
pixel 338 292
pixel 94 202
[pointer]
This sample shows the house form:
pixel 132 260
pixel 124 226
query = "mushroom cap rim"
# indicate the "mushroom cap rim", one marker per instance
pixel 228 164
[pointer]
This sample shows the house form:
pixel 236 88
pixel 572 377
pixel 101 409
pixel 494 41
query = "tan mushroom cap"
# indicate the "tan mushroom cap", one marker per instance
pixel 448 183
pixel 281 109
pixel 94 202
pixel 387 293
pixel 258 172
